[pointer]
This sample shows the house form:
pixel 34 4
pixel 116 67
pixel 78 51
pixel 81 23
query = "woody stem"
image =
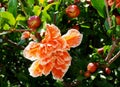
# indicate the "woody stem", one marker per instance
pixel 108 16
pixel 114 58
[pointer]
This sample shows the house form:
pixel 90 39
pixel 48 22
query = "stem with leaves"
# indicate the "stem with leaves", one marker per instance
pixel 115 42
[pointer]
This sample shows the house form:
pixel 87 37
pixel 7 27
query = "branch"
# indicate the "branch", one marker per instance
pixel 114 45
pixel 108 16
pixel 114 58
pixel 109 55
pixel 13 30
pixel 13 43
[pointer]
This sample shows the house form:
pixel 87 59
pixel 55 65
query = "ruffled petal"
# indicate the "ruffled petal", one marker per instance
pixel 47 68
pixel 36 69
pixel 62 63
pixel 61 44
pixel 45 50
pixel 31 51
pixel 73 37
pixel 51 32
pixel 57 74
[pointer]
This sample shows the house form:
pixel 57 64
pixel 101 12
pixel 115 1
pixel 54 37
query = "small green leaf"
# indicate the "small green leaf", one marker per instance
pixel 99 5
pixel 20 17
pixel 48 6
pixel 45 16
pixel 6 27
pixel 12 7
pixel 118 10
pixel 113 21
pixel 41 1
pixel 8 17
pixel 106 25
pixel 118 30
pixel 37 10
pixel 30 2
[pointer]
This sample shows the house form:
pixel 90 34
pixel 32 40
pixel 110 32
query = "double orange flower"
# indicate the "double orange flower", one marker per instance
pixel 51 54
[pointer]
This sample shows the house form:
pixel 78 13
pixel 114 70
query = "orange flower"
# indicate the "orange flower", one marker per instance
pixel 50 55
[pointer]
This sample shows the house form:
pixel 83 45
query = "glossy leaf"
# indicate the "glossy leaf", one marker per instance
pixel 8 17
pixel 48 6
pixel 41 1
pixel 12 7
pixel 99 5
pixel 20 17
pixel 30 2
pixel 118 30
pixel 46 16
pixel 37 10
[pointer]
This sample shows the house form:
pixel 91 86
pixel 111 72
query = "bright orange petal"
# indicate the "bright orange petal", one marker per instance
pixel 61 43
pixel 73 37
pixel 62 56
pixel 62 63
pixel 30 52
pixel 45 50
pixel 36 69
pixel 51 32
pixel 57 74
pixel 47 68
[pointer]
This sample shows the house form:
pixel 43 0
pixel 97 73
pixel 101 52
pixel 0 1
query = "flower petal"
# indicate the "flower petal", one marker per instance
pixel 31 51
pixel 51 32
pixel 62 63
pixel 36 69
pixel 47 68
pixel 45 50
pixel 73 37
pixel 57 74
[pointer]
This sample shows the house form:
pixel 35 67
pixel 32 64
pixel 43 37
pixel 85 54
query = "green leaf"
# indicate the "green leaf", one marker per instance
pixel 48 6
pixel 41 1
pixel 118 10
pixel 106 25
pixel 30 2
pixel 118 30
pixel 6 27
pixel 99 5
pixel 20 17
pixel 46 16
pixel 12 7
pixel 37 10
pixel 8 17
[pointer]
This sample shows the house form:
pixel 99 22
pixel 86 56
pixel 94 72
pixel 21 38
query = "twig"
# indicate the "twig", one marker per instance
pixel 13 30
pixel 109 55
pixel 108 16
pixel 114 58
pixel 114 45
pixel 13 43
